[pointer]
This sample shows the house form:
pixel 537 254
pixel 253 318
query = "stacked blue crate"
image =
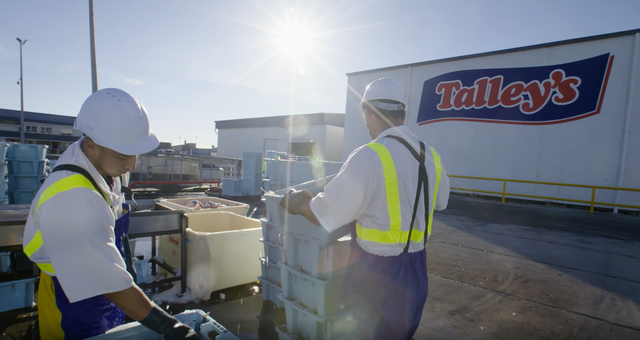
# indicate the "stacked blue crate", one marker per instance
pixel 252 173
pixel 231 187
pixel 26 165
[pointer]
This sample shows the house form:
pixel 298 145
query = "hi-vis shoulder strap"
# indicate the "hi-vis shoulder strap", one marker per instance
pixel 395 235
pixel 80 180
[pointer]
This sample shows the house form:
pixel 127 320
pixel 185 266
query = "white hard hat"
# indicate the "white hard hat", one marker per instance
pixel 384 89
pixel 115 120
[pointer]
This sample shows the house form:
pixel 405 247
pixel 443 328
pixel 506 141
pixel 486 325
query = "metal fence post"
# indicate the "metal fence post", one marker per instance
pixel 593 198
pixel 504 190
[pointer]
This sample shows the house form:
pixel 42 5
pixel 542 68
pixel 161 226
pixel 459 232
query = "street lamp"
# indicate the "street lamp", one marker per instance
pixel 21 93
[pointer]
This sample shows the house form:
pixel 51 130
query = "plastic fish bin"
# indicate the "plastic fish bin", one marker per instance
pixel 298 224
pixel 17 294
pixel 4 169
pixel 182 204
pixel 26 167
pixel 273 252
pixel 318 260
pixel 272 232
pixel 296 172
pixel 5 261
pixel 206 327
pixel 21 196
pixel 302 322
pixel 270 291
pixel 316 295
pixel 222 249
pixel 142 270
pixel 29 182
pixel 27 152
pixel 271 270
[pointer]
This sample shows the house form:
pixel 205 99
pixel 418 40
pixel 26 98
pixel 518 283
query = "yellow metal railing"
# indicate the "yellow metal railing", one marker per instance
pixel 593 188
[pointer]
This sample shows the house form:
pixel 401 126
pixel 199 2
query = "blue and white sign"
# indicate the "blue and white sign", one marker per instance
pixel 528 95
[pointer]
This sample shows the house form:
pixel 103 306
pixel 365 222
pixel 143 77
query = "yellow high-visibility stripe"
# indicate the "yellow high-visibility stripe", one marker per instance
pixel 395 234
pixel 62 185
pixel 436 161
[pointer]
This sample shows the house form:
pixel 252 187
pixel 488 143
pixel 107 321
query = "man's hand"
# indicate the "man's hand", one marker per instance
pixel 292 200
pixel 181 331
pixel 160 322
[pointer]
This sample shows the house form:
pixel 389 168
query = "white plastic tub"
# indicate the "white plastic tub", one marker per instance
pixel 297 224
pixel 318 260
pixel 222 251
pixel 272 233
pixel 316 295
pixel 303 323
pixel 274 253
pixel 182 204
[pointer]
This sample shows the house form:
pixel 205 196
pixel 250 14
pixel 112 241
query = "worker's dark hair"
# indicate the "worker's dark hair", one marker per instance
pixel 392 115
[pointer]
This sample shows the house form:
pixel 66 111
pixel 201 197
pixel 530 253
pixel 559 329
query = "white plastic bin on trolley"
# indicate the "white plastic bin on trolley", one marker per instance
pixel 222 250
pixel 183 204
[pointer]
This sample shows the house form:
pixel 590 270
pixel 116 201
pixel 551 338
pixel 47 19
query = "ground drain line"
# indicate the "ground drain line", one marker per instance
pixel 537 302
pixel 541 262
pixel 562 244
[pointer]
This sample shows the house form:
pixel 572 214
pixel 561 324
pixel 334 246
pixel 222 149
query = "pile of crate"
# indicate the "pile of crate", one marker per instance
pixel 26 165
pixel 251 173
pixel 4 182
pixel 303 268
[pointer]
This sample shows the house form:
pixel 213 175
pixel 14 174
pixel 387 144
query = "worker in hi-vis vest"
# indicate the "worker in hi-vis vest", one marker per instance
pixel 390 188
pixel 77 227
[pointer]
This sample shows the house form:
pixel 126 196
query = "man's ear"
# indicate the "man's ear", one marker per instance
pixel 90 146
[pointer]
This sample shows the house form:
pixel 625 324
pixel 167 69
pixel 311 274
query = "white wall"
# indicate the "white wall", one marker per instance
pixel 584 151
pixel 233 142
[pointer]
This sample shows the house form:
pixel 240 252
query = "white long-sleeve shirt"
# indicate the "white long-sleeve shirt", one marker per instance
pixel 77 228
pixel 358 191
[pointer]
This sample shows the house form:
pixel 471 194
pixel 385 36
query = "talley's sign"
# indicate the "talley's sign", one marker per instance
pixel 528 95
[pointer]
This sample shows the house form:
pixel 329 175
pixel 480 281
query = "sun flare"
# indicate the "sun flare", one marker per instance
pixel 295 39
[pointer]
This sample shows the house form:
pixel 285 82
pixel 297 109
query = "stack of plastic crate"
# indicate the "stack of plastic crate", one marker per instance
pixel 4 182
pixel 25 171
pixel 252 173
pixel 231 187
pixel 312 270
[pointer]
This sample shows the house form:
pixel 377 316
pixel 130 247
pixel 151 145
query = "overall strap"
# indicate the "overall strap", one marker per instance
pixel 83 172
pixel 422 177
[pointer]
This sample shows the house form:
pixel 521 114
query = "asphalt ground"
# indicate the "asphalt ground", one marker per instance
pixel 525 271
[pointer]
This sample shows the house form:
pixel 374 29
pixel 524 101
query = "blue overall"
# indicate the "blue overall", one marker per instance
pixel 96 315
pixel 382 297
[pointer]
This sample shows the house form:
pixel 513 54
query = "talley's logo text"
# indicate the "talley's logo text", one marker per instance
pixel 534 95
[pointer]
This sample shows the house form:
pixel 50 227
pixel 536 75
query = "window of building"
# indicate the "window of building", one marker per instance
pixel 66 132
pixel 301 148
pixel 30 128
pixel 45 130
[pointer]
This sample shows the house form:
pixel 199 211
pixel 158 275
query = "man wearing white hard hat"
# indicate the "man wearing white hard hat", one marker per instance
pixel 78 222
pixel 390 188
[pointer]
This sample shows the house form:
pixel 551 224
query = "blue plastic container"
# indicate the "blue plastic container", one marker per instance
pixel 4 146
pixel 202 323
pixel 28 182
pixel 21 196
pixel 32 152
pixel 26 167
pixel 17 294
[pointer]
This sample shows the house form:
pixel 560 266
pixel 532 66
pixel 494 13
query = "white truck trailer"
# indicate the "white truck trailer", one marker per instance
pixel 565 112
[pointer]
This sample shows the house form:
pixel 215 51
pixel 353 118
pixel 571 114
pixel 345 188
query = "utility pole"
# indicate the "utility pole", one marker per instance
pixel 21 93
pixel 94 72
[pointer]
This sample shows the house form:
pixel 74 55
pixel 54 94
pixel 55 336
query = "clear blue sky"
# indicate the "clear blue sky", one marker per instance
pixel 194 62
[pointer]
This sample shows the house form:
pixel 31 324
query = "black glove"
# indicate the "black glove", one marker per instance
pixel 293 199
pixel 161 322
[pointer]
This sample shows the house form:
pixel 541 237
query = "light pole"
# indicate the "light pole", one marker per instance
pixel 21 93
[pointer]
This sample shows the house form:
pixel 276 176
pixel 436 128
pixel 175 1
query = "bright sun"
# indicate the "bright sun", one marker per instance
pixel 295 39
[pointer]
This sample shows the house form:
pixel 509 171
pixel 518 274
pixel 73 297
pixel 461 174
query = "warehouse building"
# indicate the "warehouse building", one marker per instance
pixel 566 112
pixel 315 135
